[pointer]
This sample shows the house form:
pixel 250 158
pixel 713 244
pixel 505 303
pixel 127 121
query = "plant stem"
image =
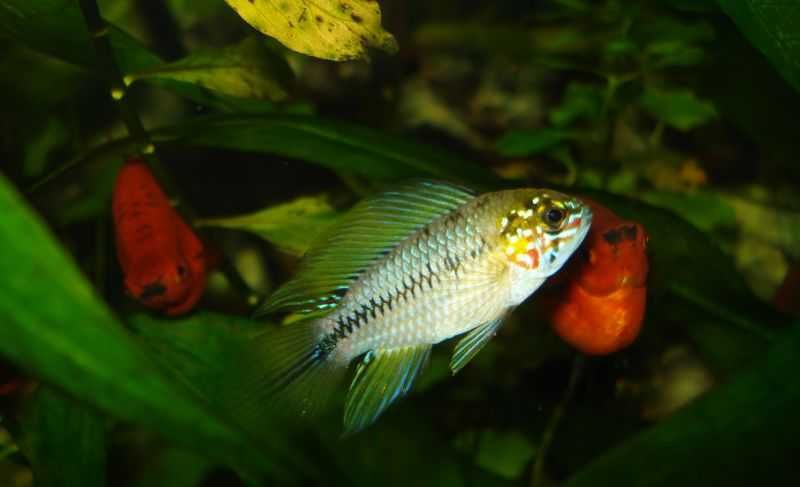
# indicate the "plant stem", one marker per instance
pixel 537 472
pixel 99 30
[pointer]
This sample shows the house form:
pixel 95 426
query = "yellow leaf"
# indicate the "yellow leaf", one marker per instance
pixel 329 29
pixel 291 226
pixel 245 70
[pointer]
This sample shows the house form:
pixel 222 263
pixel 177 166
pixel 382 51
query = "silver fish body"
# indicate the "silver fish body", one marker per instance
pixel 444 280
pixel 432 268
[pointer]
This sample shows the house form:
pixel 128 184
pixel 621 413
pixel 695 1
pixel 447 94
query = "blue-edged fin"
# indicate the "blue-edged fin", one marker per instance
pixel 473 342
pixel 281 372
pixel 364 234
pixel 382 376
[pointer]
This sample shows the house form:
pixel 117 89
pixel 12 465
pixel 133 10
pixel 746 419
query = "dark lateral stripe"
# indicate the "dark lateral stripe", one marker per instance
pixel 346 325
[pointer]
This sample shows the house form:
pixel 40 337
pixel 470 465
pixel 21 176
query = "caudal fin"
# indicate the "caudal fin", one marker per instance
pixel 281 373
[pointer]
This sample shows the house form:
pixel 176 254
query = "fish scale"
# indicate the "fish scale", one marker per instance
pixel 426 313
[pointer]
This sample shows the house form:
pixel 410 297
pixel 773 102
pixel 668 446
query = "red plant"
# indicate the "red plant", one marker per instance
pixel 161 257
pixel 599 299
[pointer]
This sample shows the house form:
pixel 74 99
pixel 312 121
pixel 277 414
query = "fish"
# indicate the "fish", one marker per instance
pixel 404 270
pixel 598 301
pixel 162 259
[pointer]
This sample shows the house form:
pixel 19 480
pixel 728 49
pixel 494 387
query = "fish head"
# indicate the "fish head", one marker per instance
pixel 542 229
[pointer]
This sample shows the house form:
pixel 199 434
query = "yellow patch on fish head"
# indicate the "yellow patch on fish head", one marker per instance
pixel 543 229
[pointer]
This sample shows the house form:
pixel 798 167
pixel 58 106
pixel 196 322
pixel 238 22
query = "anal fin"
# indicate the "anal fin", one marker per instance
pixel 383 376
pixel 473 342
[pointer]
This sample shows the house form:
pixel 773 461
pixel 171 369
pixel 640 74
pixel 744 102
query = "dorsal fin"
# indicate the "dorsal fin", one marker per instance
pixel 364 234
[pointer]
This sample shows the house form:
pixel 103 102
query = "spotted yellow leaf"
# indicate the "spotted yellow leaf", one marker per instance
pixel 337 30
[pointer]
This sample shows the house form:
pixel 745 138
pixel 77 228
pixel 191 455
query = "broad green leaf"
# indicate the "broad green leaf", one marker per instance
pixel 327 29
pixel 57 28
pixel 350 149
pixel 196 351
pixel 738 434
pixel 709 210
pixel 63 440
pixel 64 334
pixel 291 226
pixel 680 109
pixel 769 122
pixel 771 26
pixel 246 70
pixel 520 143
pixel 725 349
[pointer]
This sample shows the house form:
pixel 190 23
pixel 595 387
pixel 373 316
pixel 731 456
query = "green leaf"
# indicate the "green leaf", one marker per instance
pixel 290 226
pixel 196 351
pixel 521 143
pixel 197 348
pixel 669 53
pixel 771 26
pixel 246 70
pixel 710 210
pixel 680 109
pixel 64 334
pixel 738 434
pixel 505 454
pixel 350 149
pixel 63 440
pixel 57 28
pixel 581 102
pixel 327 29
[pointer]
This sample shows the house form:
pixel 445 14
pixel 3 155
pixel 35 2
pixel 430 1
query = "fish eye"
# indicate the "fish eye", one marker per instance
pixel 554 216
pixel 181 270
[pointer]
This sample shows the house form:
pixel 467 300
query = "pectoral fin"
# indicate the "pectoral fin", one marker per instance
pixel 383 376
pixel 473 342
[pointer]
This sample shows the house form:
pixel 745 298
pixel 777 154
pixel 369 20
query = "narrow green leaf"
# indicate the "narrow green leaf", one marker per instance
pixel 349 149
pixel 63 440
pixel 738 434
pixel 245 70
pixel 327 29
pixel 771 26
pixel 57 28
pixel 64 334
pixel 680 109
pixel 342 147
pixel 290 226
